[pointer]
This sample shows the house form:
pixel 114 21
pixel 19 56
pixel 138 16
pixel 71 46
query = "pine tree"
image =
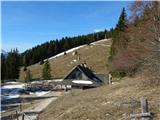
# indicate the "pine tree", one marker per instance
pixel 122 22
pixel 28 76
pixel 12 65
pixel 66 44
pixel 46 72
pixel 3 67
pixel 120 27
pixel 24 60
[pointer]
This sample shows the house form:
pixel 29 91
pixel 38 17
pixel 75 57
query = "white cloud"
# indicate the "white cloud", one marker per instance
pixel 98 30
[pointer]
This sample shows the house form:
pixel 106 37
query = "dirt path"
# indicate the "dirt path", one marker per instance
pixel 32 112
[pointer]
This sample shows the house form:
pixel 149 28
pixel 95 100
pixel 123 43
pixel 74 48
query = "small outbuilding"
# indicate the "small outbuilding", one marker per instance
pixel 81 77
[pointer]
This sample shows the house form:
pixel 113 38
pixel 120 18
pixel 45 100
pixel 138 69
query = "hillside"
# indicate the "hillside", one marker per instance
pixel 109 102
pixel 95 55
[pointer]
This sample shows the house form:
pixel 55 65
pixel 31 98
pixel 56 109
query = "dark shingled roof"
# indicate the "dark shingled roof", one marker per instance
pixel 89 73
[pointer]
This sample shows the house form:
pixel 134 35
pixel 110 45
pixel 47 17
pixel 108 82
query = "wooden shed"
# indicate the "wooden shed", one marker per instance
pixel 81 77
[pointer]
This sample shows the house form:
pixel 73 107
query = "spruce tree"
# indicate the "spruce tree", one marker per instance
pixel 120 27
pixel 3 67
pixel 46 72
pixel 122 22
pixel 12 65
pixel 28 76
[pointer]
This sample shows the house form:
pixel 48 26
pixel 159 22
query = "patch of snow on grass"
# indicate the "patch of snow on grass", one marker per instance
pixel 74 60
pixel 13 96
pixel 68 51
pixel 40 93
pixel 3 111
pixel 12 82
pixel 58 80
pixel 37 82
pixel 82 82
pixel 13 86
pixel 100 41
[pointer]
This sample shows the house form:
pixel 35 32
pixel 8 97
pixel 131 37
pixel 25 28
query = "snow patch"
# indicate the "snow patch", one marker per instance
pixel 3 111
pixel 82 82
pixel 58 80
pixel 99 41
pixel 36 82
pixel 68 51
pixel 13 86
pixel 12 82
pixel 40 93
pixel 74 60
pixel 13 96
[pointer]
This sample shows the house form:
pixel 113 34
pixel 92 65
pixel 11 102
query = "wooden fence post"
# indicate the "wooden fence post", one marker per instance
pixel 37 117
pixel 110 79
pixel 144 105
pixel 20 107
pixel 145 114
pixel 144 108
pixel 22 116
pixel 17 115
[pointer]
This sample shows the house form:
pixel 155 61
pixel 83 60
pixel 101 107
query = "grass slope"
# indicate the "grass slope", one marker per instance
pixel 109 102
pixel 95 55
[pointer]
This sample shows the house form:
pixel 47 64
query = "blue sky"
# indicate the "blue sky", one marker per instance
pixel 27 24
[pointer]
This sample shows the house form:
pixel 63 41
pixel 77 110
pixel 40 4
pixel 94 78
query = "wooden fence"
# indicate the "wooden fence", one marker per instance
pixel 145 114
pixel 22 116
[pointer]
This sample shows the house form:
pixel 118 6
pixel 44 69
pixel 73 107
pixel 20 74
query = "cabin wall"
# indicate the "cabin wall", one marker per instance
pixel 77 75
pixel 103 77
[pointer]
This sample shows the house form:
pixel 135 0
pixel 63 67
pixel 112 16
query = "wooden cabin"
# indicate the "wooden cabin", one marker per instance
pixel 81 77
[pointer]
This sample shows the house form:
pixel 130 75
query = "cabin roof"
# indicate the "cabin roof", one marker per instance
pixel 89 73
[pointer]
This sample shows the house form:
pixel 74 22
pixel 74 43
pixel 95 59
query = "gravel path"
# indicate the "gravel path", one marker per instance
pixel 32 112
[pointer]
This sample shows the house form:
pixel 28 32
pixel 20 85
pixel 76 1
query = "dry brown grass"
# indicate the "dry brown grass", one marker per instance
pixel 109 102
pixel 94 55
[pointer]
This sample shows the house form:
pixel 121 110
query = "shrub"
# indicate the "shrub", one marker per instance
pixel 28 76
pixel 46 71
pixel 118 74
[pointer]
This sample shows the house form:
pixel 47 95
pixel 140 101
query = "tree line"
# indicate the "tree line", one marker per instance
pixel 10 65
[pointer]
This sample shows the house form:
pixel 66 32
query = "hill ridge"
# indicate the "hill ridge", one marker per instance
pixel 94 54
